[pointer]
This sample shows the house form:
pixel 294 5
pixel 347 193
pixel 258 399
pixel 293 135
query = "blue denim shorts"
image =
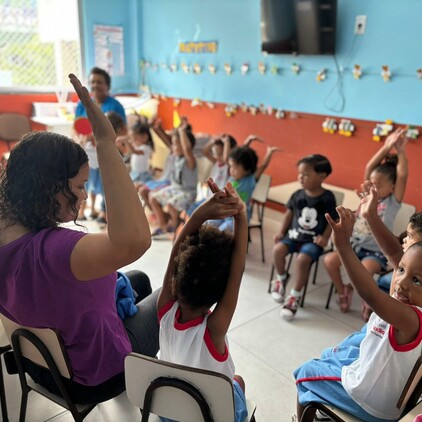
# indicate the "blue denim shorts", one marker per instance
pixel 309 248
pixel 376 256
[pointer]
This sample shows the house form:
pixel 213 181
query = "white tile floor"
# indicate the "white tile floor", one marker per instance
pixel 265 348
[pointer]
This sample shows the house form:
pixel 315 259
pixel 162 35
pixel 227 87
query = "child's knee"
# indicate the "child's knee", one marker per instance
pixel 331 260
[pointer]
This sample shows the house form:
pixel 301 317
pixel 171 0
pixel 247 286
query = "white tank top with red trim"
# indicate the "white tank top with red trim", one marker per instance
pixel 190 343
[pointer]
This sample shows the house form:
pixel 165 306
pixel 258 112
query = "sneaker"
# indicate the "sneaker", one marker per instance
pixel 288 311
pixel 278 289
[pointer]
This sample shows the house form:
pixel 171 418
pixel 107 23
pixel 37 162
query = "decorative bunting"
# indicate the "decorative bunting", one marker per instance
pixel 244 69
pixel 329 125
pixel 357 71
pixel 381 130
pixel 228 68
pixel 386 73
pixel 212 69
pixel 346 128
pixel 321 75
pixel 262 68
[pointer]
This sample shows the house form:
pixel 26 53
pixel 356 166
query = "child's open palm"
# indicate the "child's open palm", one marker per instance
pixel 368 199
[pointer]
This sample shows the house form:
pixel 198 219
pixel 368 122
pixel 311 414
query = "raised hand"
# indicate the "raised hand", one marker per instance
pixel 394 137
pixel 252 138
pixel 368 199
pixel 342 230
pixel 101 126
pixel 272 150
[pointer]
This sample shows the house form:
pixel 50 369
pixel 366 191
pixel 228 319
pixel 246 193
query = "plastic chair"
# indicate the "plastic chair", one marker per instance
pixel 44 347
pixel 12 127
pixel 258 201
pixel 180 392
pixel 400 225
pixel 407 400
pixel 4 347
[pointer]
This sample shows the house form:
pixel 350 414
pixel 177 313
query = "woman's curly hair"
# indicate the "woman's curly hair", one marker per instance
pixel 39 167
pixel 202 267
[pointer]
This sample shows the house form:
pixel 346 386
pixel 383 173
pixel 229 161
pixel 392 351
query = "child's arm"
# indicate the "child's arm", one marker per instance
pixel 401 169
pixel 266 161
pixel 218 206
pixel 251 138
pixel 401 316
pixel 227 147
pixel 158 129
pixel 382 152
pixel 220 318
pixel 285 226
pixel 207 150
pixel 322 239
pixel 386 240
pixel 186 148
pixel 134 150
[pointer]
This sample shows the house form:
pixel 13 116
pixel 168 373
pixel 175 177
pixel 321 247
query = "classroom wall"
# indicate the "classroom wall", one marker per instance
pixel 299 134
pixel 392 38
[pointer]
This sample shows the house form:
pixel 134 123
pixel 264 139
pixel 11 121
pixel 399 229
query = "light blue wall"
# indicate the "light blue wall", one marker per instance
pixel 393 37
pixel 115 13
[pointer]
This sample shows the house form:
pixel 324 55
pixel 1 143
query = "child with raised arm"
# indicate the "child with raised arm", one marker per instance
pixel 304 230
pixel 390 245
pixel 184 178
pixel 389 174
pixel 199 275
pixel 367 380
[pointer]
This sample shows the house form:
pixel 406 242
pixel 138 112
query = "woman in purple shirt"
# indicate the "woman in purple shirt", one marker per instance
pixel 64 279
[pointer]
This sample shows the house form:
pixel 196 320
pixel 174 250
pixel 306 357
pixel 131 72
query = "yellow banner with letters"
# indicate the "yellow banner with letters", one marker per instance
pixel 195 47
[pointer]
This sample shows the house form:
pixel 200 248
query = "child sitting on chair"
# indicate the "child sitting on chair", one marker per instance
pixel 367 379
pixel 304 230
pixel 199 275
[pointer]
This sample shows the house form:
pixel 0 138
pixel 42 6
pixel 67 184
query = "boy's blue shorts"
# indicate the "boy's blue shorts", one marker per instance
pixel 309 248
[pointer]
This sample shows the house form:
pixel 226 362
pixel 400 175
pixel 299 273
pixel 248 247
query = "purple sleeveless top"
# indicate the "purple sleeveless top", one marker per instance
pixel 38 289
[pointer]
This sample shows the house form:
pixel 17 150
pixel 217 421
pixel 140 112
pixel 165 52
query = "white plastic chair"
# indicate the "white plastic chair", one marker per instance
pixel 179 392
pixel 258 201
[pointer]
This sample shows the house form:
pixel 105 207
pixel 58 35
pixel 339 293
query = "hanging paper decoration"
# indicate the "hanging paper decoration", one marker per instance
pixel 176 102
pixel 386 73
pixel 321 75
pixel 357 71
pixel 197 68
pixel 346 128
pixel 244 69
pixel 210 105
pixel 231 110
pixel 228 68
pixel 412 133
pixel 253 110
pixel 279 114
pixel 212 69
pixel 270 110
pixel 262 109
pixel 274 69
pixel 244 107
pixel 329 125
pixel 196 102
pixel 381 130
pixel 185 68
pixel 173 67
pixel 262 68
pixel 419 73
pixel 295 68
pixel 164 66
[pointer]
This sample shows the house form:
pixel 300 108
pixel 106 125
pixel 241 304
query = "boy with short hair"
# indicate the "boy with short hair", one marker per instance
pixel 304 230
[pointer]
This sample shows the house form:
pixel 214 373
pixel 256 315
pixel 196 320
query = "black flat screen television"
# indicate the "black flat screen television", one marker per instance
pixel 298 26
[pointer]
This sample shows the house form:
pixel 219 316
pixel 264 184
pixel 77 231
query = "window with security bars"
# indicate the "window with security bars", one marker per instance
pixel 39 43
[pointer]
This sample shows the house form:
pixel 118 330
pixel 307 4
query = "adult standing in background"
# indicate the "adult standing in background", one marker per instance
pixel 100 83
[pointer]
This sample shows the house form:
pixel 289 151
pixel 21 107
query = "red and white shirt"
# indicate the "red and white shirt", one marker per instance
pixel 190 343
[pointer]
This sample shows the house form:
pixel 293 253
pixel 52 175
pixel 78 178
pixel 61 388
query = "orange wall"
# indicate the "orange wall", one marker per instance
pixel 299 134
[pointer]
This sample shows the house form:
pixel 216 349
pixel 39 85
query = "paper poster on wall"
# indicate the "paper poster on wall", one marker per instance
pixel 109 49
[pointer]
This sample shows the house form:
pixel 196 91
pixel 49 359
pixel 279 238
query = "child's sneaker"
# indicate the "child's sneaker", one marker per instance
pixel 288 311
pixel 321 416
pixel 278 289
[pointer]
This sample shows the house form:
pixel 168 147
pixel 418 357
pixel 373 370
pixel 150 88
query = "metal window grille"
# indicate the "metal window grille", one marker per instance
pixel 39 43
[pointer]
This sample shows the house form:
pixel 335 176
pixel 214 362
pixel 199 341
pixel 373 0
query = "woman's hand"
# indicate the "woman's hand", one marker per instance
pixel 101 126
